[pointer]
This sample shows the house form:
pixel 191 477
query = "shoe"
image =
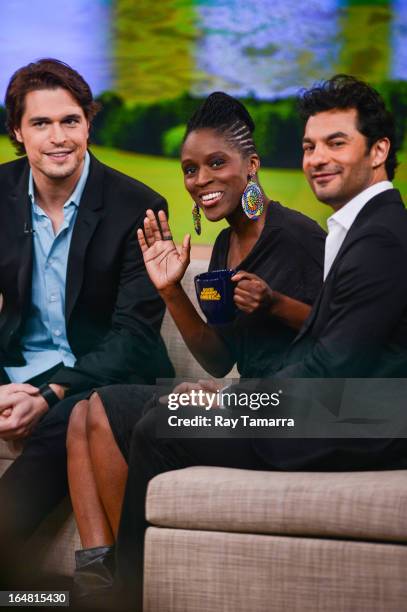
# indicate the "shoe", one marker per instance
pixel 93 577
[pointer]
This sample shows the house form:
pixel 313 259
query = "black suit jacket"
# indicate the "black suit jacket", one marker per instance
pixel 113 313
pixel 358 324
pixel 357 328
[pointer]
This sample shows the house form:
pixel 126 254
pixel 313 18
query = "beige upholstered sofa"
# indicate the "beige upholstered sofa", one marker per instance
pixel 225 540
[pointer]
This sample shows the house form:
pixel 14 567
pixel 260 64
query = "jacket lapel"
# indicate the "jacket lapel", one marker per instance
pixel 89 215
pixel 385 198
pixel 21 213
pixel 382 199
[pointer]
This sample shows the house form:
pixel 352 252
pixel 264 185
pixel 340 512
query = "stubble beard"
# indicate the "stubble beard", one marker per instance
pixel 60 173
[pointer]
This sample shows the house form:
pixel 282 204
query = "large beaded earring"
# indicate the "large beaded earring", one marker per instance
pixel 196 218
pixel 252 199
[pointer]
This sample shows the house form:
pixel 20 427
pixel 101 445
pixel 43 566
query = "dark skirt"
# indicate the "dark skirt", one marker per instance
pixel 124 406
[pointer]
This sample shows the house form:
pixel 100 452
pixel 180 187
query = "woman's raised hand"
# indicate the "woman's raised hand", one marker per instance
pixel 165 265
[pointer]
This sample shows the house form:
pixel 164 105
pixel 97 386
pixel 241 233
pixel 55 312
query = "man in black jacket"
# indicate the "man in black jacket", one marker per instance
pixel 358 326
pixel 78 310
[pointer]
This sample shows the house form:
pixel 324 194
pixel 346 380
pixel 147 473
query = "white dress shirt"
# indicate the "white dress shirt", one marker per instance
pixel 341 221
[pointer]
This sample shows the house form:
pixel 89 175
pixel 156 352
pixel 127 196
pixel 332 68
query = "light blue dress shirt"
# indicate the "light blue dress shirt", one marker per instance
pixel 44 340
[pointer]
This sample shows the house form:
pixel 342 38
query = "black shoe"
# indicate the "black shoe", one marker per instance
pixel 93 578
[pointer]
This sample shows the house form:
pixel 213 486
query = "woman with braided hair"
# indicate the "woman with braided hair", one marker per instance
pixel 277 251
pixel 278 255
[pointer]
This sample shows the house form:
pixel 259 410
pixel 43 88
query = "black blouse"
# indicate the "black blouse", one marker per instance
pixel 289 256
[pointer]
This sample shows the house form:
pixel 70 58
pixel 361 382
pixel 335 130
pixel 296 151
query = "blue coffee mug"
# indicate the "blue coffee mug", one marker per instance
pixel 214 291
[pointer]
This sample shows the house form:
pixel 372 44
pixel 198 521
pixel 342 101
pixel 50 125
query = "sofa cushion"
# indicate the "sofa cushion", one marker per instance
pixel 198 571
pixel 363 505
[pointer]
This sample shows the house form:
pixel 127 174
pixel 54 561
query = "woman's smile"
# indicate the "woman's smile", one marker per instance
pixel 211 198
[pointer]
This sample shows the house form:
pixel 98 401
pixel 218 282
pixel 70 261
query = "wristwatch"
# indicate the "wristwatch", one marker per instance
pixel 49 395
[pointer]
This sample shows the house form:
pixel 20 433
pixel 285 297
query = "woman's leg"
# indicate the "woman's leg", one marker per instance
pixel 109 466
pixel 93 525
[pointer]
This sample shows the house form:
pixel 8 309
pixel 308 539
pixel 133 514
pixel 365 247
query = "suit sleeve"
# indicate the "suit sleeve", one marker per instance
pixel 132 350
pixel 368 302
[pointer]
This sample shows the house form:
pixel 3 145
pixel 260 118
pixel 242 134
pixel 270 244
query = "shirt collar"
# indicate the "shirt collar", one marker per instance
pixel 76 195
pixel 346 215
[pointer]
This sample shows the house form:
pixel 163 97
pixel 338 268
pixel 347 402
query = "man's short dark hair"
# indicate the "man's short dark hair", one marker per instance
pixel 345 92
pixel 44 74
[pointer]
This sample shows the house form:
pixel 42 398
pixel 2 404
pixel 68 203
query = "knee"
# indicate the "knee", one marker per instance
pixel 97 422
pixel 76 434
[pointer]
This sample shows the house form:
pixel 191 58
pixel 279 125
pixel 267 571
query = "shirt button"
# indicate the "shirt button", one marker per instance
pixel 53 297
pixel 57 332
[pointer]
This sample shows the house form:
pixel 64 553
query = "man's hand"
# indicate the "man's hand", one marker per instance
pixel 21 406
pixel 184 387
pixel 8 394
pixel 206 386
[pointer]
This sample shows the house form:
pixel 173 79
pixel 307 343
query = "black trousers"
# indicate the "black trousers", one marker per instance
pixel 150 456
pixel 37 480
pixel 31 487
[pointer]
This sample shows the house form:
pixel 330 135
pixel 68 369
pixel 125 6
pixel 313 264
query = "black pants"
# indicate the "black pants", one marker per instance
pixel 150 456
pixel 31 487
pixel 34 483
pixel 37 480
